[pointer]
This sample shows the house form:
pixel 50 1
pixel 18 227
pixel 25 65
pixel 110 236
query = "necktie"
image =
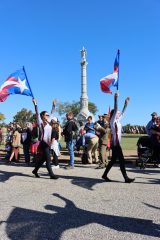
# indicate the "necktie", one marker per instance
pixel 42 132
pixel 116 128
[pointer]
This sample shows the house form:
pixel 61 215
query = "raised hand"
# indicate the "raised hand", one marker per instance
pixel 116 94
pixel 34 101
pixel 54 102
pixel 127 100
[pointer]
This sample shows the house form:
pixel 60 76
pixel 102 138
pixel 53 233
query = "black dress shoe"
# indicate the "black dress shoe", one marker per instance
pixel 54 177
pixel 106 179
pixel 36 174
pixel 129 180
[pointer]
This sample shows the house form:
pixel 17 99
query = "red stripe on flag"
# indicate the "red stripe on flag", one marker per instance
pixel 11 79
pixel 104 84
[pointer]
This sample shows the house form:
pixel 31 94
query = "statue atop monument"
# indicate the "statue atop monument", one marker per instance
pixel 84 112
pixel 83 54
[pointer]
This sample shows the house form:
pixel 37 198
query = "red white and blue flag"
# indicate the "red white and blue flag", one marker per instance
pixel 16 83
pixel 112 79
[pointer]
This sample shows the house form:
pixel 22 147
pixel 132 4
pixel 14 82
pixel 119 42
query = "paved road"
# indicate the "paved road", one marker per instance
pixel 79 205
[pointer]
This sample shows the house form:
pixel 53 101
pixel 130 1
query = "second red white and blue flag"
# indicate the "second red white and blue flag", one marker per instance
pixel 111 80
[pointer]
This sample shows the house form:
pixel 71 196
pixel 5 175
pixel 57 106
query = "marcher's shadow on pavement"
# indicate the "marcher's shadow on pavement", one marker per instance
pixel 28 224
pixel 85 182
pixel 147 172
pixel 149 181
pixel 5 176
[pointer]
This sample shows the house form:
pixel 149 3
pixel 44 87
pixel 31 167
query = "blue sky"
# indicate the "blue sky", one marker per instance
pixel 47 36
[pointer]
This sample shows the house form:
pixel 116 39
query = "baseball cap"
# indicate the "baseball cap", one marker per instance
pixel 154 114
pixel 54 119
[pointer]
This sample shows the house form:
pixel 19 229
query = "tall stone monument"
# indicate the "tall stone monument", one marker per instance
pixel 84 112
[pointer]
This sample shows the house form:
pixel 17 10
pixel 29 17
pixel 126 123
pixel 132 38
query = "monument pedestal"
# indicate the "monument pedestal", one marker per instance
pixel 84 112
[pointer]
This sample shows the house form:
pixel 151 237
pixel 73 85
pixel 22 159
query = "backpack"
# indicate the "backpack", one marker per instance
pixel 70 130
pixel 35 135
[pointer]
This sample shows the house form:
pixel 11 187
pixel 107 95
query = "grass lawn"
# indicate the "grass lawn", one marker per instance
pixel 129 141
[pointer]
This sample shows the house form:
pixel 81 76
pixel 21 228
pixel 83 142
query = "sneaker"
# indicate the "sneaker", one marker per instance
pixel 55 166
pixel 129 180
pixel 69 167
pixel 101 166
pixel 106 179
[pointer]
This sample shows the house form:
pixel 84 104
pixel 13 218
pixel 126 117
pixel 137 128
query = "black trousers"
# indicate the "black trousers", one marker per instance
pixel 55 158
pixel 156 149
pixel 26 152
pixel 116 154
pixel 44 157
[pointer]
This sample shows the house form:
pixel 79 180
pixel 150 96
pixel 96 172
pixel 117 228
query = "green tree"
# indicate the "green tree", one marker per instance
pixel 64 107
pixel 2 117
pixel 23 116
pixel 92 108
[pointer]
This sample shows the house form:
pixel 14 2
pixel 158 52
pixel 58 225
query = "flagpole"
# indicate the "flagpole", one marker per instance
pixel 118 54
pixel 28 82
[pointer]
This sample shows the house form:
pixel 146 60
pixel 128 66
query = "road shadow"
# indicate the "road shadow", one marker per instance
pixel 5 176
pixel 84 182
pixel 148 171
pixel 149 175
pixel 26 224
pixel 150 181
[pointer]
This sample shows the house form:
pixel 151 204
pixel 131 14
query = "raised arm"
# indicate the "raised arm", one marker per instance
pixel 125 105
pixel 53 106
pixel 35 106
pixel 36 111
pixel 116 101
pixel 113 117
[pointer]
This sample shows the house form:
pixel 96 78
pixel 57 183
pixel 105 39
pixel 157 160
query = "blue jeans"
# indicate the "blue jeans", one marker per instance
pixel 70 147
